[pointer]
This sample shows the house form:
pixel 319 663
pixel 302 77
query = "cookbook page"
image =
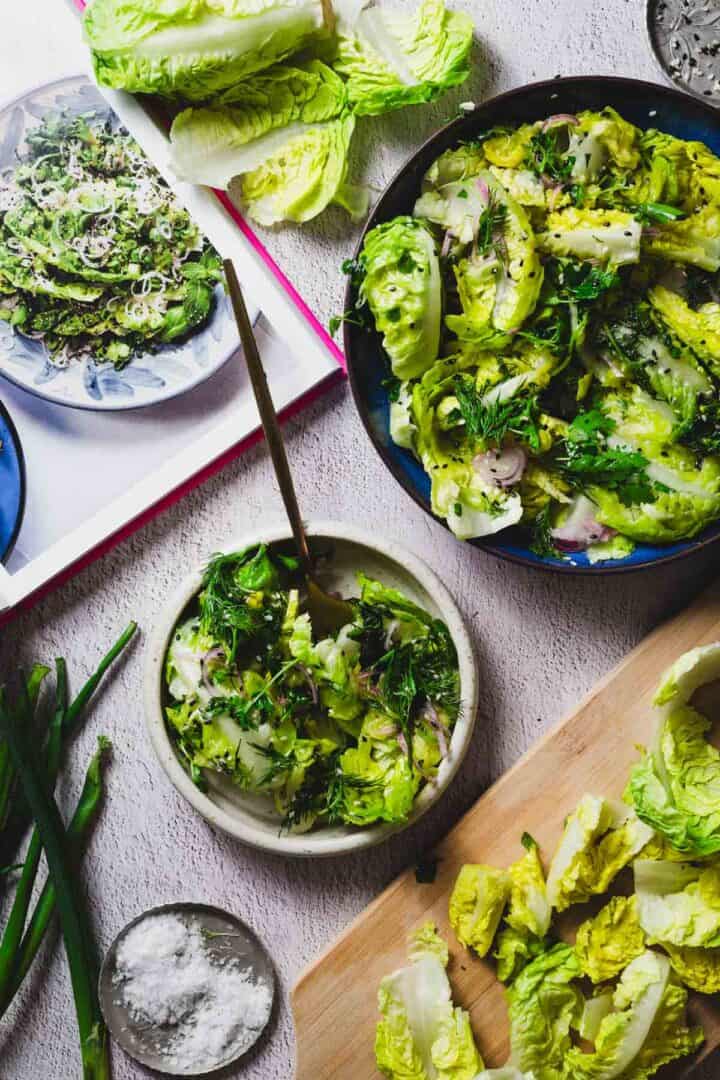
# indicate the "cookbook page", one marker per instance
pixel 121 376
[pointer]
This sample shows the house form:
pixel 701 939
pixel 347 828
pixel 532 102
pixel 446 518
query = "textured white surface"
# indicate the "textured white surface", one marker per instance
pixel 541 641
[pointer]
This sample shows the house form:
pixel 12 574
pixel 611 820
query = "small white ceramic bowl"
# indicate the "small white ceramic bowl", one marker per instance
pixel 252 818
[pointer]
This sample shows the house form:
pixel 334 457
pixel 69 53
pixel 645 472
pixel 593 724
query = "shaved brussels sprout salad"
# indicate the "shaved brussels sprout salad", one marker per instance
pixel 344 730
pixel 98 259
pixel 621 988
pixel 550 315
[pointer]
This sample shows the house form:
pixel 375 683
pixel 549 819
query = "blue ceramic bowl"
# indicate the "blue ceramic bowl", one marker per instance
pixel 646 105
pixel 12 484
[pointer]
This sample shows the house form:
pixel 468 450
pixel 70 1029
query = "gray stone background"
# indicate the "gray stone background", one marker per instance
pixel 542 641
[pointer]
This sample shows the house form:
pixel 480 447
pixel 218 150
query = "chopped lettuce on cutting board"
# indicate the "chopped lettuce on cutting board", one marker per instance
pixel 612 1005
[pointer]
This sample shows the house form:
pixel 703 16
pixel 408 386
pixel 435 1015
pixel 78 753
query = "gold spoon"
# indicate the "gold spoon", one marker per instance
pixel 327 613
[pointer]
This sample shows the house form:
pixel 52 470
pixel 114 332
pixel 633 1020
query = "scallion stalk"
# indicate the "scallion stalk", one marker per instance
pixel 73 917
pixel 77 833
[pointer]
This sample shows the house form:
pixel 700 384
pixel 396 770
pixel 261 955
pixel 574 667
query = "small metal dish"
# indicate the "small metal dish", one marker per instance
pixel 685 38
pixel 228 938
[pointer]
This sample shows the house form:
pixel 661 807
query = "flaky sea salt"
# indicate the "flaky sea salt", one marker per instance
pixel 203 1009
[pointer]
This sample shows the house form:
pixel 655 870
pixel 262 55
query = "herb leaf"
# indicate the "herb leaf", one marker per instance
pixel 492 422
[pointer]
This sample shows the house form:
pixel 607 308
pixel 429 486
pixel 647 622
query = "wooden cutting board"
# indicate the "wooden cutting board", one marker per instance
pixel 592 750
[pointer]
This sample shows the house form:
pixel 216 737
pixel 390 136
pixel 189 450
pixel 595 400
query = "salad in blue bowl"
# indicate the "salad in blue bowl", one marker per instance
pixel 533 330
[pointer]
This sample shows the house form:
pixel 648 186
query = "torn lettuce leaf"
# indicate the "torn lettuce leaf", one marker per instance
pixel 678 903
pixel 608 942
pixel 391 58
pixel 421 1036
pixel 476 905
pixel 596 844
pixel 645 1029
pixel 612 236
pixel 676 786
pixel 402 287
pixel 529 908
pixel 544 1004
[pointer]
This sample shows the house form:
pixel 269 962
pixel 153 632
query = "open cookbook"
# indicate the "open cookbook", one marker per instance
pixel 94 440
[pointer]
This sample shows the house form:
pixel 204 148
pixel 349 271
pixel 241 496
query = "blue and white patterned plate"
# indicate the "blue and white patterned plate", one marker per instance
pixel 148 379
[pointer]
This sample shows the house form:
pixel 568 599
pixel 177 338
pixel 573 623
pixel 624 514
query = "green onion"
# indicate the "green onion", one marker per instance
pixel 13 933
pixel 77 833
pixel 73 917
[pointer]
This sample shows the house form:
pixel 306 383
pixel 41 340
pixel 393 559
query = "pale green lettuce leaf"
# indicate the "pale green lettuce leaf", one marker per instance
pixel 529 908
pixel 700 330
pixel 501 289
pixel 676 786
pixel 678 903
pixel 514 949
pixel 697 968
pixel 694 240
pixel 421 1036
pixel 607 943
pixel 253 121
pixel 687 674
pixel 595 846
pixel 624 1031
pixel 391 58
pixel 194 48
pixel 403 290
pixel 612 236
pixel 476 905
pixel 544 1004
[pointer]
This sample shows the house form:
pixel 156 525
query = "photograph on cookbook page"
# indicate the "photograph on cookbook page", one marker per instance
pixel 121 374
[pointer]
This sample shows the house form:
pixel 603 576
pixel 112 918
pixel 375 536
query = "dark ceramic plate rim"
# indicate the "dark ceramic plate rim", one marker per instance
pixel 350 330
pixel 8 421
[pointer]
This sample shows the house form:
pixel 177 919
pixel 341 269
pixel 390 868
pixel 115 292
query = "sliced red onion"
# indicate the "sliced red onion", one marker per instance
pixel 581 529
pixel 211 654
pixel 446 244
pixel 402 743
pixel 438 727
pixel 501 468
pixel 560 118
pixel 651 231
pixel 484 190
pixel 305 672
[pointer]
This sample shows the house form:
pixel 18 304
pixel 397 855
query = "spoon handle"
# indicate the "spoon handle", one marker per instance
pixel 268 416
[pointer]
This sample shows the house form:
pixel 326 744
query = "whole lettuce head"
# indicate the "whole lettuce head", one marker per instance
pixel 644 1029
pixel 544 1004
pixel 678 903
pixel 421 1036
pixel 194 48
pixel 595 846
pixel 391 59
pixel 283 136
pixel 403 290
pixel 607 943
pixel 676 786
pixel 476 905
